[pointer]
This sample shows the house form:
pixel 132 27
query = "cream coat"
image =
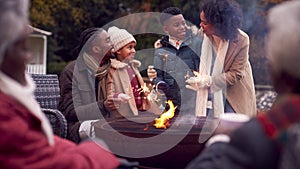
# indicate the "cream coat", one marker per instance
pixel 240 91
pixel 118 81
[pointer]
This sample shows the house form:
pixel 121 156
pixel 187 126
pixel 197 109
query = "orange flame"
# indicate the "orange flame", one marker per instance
pixel 146 128
pixel 163 120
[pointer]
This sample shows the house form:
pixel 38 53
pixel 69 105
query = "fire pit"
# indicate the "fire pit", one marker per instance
pixel 155 148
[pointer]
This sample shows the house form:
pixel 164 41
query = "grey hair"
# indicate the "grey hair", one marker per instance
pixel 283 42
pixel 13 18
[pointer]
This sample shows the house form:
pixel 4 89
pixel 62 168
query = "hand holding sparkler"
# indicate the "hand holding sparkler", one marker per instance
pixel 151 72
pixel 199 82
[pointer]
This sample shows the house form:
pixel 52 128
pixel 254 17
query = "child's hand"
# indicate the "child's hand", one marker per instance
pixel 112 103
pixel 124 97
pixel 151 72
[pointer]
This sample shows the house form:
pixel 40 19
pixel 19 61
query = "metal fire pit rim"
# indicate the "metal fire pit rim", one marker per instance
pixel 139 127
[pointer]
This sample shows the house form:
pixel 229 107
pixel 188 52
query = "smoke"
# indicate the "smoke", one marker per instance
pixel 249 13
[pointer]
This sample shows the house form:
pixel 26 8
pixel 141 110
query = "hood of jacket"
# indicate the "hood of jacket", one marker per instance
pixel 116 64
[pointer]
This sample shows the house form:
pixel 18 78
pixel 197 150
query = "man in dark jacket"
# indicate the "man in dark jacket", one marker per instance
pixel 176 59
pixel 78 82
pixel 270 140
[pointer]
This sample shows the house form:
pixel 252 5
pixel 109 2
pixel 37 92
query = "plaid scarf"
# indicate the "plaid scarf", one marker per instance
pixel 101 75
pixel 284 113
pixel 90 62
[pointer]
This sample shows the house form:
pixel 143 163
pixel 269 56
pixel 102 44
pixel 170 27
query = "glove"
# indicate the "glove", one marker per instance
pixel 200 82
pixel 86 129
pixel 161 87
pixel 205 81
pixel 124 97
pixel 151 72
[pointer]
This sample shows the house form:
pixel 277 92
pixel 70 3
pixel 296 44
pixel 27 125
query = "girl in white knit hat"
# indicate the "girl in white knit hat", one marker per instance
pixel 124 80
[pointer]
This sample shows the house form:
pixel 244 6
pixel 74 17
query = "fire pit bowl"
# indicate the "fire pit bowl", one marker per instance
pixel 173 147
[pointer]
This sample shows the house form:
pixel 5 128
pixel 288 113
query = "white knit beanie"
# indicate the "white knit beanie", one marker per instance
pixel 120 37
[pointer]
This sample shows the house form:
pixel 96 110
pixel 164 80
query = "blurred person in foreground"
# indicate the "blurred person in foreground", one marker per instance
pixel 271 140
pixel 79 83
pixel 27 140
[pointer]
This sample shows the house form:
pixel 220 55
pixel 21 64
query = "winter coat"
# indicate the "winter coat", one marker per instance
pixel 237 77
pixel 118 82
pixel 173 65
pixel 78 97
pixel 24 145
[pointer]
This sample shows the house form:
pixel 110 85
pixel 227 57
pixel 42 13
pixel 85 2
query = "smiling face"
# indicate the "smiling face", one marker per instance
pixel 207 27
pixel 175 27
pixel 16 58
pixel 127 52
pixel 101 47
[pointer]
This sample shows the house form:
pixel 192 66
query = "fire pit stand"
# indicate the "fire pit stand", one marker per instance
pixel 127 136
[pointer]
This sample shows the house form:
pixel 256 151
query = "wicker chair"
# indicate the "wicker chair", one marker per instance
pixel 47 95
pixel 57 121
pixel 265 97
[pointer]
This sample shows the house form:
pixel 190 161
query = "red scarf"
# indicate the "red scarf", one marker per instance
pixel 284 113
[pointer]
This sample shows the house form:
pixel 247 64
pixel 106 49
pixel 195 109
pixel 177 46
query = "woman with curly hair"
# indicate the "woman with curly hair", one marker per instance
pixel 270 140
pixel 225 82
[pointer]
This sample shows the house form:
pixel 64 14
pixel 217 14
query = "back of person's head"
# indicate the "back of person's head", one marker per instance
pixel 87 39
pixel 283 42
pixel 119 37
pixel 13 18
pixel 167 13
pixel 224 15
